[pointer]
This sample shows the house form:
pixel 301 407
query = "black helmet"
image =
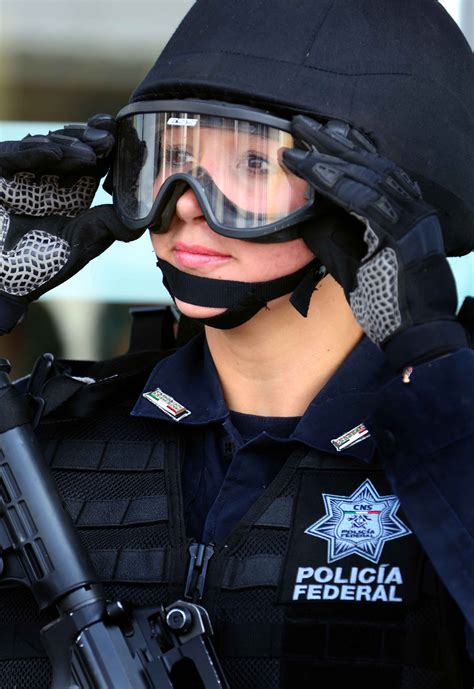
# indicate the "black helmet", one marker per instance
pixel 399 70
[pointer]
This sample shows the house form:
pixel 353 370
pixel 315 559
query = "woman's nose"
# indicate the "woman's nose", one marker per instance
pixel 187 206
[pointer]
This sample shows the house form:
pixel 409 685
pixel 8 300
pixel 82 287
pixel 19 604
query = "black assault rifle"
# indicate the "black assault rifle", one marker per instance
pixel 93 643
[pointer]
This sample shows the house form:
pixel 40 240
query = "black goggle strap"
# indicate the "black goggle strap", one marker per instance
pixel 300 299
pixel 241 299
pixel 231 318
pixel 235 316
pixel 226 293
pixel 304 290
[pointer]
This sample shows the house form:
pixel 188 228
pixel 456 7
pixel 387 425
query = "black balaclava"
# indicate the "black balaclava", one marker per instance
pixel 401 71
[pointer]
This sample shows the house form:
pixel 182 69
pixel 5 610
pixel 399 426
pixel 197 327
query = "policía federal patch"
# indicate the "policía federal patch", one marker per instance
pixel 359 524
pixel 167 404
pixel 349 542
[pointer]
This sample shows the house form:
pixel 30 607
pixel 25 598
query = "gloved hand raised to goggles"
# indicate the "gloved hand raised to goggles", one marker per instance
pixel 47 231
pixel 394 271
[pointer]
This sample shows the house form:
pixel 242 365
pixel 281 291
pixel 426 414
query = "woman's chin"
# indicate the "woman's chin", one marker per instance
pixel 193 311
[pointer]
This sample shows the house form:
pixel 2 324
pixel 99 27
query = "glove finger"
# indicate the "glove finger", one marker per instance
pixel 28 155
pixel 80 158
pixel 103 121
pixel 397 191
pixel 76 155
pixel 100 141
pixel 72 150
pixel 329 169
pixel 345 132
pixel 333 139
pixel 350 187
pixel 106 219
pixel 380 200
pixel 335 136
pixel 55 154
pixel 406 182
pixel 86 147
pixel 340 139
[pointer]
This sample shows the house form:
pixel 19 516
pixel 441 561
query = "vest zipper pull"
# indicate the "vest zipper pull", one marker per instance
pixel 199 556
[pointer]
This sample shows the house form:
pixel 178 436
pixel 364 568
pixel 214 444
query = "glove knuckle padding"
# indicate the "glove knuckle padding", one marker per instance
pixel 23 195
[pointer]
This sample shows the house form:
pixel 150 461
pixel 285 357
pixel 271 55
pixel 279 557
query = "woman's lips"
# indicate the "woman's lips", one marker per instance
pixel 194 255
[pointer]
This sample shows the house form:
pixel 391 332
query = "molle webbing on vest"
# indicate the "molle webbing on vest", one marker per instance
pixel 131 512
pixel 111 473
pixel 257 570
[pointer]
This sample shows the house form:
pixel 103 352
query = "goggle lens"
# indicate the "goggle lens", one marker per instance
pixel 236 166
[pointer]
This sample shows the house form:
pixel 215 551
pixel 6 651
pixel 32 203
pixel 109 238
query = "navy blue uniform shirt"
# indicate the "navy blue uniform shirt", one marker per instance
pixel 423 431
pixel 239 454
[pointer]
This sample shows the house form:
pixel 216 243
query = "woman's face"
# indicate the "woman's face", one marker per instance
pixel 191 246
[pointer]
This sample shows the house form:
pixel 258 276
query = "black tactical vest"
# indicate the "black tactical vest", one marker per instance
pixel 289 608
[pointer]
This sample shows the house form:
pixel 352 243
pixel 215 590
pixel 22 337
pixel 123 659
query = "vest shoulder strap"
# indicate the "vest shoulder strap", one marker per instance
pixel 67 388
pixel 78 388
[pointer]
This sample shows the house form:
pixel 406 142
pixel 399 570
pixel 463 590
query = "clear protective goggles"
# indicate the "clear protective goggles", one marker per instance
pixel 230 156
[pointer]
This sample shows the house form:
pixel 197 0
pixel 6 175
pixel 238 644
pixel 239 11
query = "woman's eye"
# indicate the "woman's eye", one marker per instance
pixel 255 163
pixel 177 157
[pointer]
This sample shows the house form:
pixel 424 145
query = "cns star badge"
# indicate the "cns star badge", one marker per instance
pixel 360 523
pixel 349 541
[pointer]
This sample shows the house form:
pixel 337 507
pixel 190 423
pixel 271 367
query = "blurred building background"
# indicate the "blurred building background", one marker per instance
pixel 61 61
pixel 65 59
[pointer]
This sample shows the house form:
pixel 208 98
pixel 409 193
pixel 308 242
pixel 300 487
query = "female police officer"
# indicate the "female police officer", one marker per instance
pixel 281 468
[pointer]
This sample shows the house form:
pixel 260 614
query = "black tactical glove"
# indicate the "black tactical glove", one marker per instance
pixel 388 254
pixel 47 232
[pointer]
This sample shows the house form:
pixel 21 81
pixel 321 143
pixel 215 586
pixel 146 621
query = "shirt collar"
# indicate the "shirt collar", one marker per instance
pixel 189 377
pixel 345 402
